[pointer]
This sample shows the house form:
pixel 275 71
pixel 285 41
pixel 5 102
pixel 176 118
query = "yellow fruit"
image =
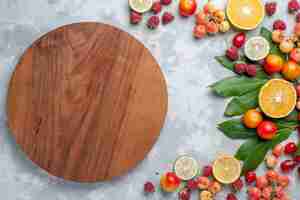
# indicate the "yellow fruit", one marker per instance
pixel 205 195
pixel 140 6
pixel 226 169
pixel 245 14
pixel 252 118
pixel 286 46
pixel 257 48
pixel 277 98
pixel 186 167
pixel 224 26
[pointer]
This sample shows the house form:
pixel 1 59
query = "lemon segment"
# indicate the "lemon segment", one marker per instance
pixel 186 167
pixel 140 6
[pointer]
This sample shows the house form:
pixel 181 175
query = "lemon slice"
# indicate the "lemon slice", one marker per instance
pixel 277 98
pixel 257 48
pixel 186 167
pixel 245 14
pixel 226 169
pixel 140 6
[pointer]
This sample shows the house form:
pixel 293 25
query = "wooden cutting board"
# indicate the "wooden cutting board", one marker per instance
pixel 87 102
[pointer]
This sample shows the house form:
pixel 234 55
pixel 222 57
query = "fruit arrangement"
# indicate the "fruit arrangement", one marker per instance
pixel 210 20
pixel 139 7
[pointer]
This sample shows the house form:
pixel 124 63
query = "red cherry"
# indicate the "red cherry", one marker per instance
pixel 297 159
pixel 239 40
pixel 250 177
pixel 290 148
pixel 267 130
pixel 288 165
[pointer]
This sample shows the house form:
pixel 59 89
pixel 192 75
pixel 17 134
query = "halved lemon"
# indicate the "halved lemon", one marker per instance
pixel 226 169
pixel 140 6
pixel 257 48
pixel 277 98
pixel 186 167
pixel 245 14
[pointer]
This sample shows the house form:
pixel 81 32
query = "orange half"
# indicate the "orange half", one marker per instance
pixel 277 98
pixel 245 14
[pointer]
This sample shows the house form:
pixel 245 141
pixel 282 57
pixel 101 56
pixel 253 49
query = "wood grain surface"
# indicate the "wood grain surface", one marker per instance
pixel 87 102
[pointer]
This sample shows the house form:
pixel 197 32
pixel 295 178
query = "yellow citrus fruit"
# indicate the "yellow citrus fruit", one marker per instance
pixel 186 167
pixel 257 48
pixel 140 6
pixel 277 98
pixel 226 169
pixel 245 14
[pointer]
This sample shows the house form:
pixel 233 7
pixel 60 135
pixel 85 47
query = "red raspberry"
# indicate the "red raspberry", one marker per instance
pixel 135 17
pixel 156 7
pixel 207 171
pixel 184 194
pixel 237 185
pixel 149 187
pixel 153 22
pixel 279 25
pixel 192 184
pixel 271 8
pixel 293 5
pixel 298 18
pixel 250 177
pixel 290 148
pixel 231 196
pixel 167 18
pixel 165 2
pixel 232 53
pixel 240 68
pixel 251 70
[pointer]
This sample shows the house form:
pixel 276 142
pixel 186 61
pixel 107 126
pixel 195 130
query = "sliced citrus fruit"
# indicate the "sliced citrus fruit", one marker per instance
pixel 257 48
pixel 245 14
pixel 226 169
pixel 277 98
pixel 140 6
pixel 186 167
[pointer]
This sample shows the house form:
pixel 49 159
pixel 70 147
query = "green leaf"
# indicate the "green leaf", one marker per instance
pixel 256 157
pixel 281 136
pixel 257 153
pixel 246 148
pixel 223 60
pixel 235 129
pixel 274 49
pixel 236 86
pixel 291 121
pixel 239 105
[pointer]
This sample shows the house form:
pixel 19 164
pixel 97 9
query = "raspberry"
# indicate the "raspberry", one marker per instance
pixel 153 22
pixel 271 8
pixel 232 53
pixel 192 184
pixel 237 185
pixel 298 17
pixel 149 187
pixel 231 196
pixel 293 6
pixel 135 17
pixel 167 18
pixel 250 177
pixel 184 194
pixel 207 171
pixel 240 68
pixel 251 70
pixel 166 2
pixel 279 25
pixel 156 7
